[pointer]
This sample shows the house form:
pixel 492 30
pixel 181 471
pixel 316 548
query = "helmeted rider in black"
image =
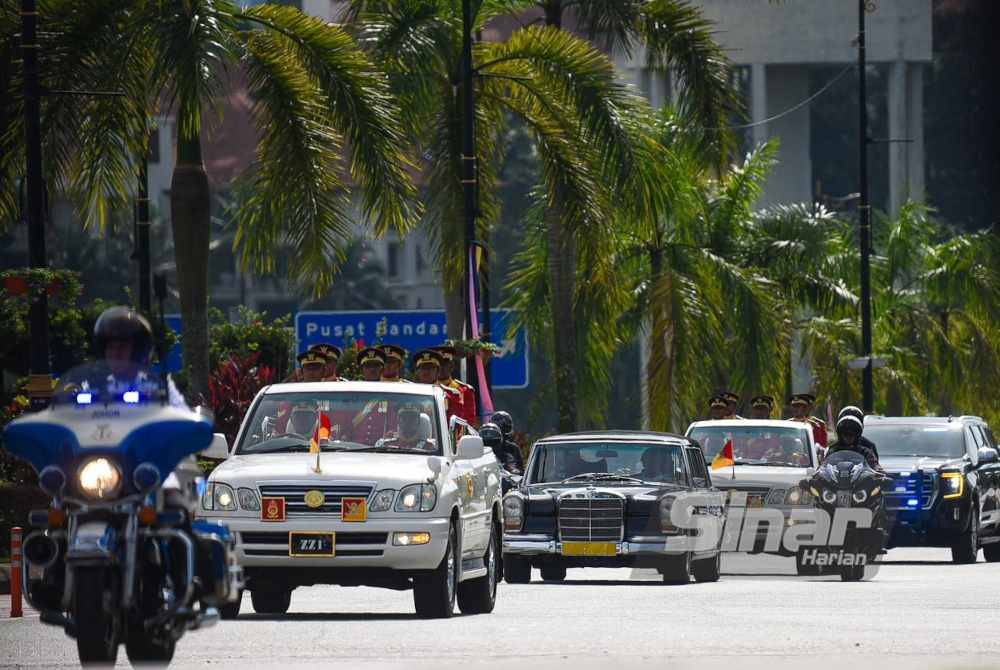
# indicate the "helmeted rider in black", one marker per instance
pixel 849 438
pixel 493 438
pixel 512 459
pixel 856 412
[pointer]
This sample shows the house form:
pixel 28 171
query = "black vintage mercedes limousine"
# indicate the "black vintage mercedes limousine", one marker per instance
pixel 605 499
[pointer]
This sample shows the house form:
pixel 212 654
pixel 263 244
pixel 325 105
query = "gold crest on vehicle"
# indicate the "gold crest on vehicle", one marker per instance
pixel 314 499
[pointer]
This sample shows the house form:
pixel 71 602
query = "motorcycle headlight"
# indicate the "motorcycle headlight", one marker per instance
pixel 513 512
pixel 860 496
pixel 382 501
pixel 829 497
pixel 417 497
pixel 219 498
pixel 248 500
pixel 952 485
pixel 99 478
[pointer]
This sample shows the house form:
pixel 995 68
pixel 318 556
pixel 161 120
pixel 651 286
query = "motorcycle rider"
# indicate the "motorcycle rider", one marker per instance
pixel 513 460
pixel 856 412
pixel 849 429
pixel 493 438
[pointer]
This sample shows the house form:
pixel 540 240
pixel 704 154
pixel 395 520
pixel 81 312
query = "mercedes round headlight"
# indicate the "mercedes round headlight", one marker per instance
pixel 860 496
pixel 513 512
pixel 417 497
pixel 829 497
pixel 99 478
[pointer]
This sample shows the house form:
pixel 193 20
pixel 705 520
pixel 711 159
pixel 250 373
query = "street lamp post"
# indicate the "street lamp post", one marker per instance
pixel 864 216
pixel 40 378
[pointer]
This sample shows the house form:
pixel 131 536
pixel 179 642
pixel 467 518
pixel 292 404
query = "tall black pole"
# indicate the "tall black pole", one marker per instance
pixel 469 164
pixel 864 216
pixel 40 380
pixel 142 234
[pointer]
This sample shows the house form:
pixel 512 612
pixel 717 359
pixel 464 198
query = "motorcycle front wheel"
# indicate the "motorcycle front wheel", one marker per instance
pixel 98 629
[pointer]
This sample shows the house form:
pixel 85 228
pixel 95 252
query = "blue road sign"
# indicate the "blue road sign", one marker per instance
pixel 413 330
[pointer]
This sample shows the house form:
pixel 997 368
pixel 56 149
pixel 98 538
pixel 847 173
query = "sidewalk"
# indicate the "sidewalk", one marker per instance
pixel 5 610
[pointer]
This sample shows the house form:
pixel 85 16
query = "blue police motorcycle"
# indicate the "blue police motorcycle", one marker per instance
pixel 118 556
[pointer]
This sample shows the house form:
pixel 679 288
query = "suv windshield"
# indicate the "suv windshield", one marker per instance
pixel 942 441
pixel 631 462
pixel 391 422
pixel 756 445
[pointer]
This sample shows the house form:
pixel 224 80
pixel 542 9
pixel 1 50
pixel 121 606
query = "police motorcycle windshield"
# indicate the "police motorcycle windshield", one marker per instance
pixel 843 468
pixel 98 411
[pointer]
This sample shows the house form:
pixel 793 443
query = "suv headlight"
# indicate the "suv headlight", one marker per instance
pixel 776 496
pixel 382 501
pixel 513 512
pixel 952 485
pixel 219 498
pixel 248 500
pixel 798 496
pixel 417 498
pixel 99 478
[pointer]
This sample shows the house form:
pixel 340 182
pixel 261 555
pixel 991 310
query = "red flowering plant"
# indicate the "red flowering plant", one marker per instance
pixel 232 386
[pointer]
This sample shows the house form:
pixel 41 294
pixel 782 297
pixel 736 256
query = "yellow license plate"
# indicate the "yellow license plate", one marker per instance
pixel 589 549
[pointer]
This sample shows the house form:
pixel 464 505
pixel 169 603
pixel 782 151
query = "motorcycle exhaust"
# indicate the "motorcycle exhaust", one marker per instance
pixel 40 551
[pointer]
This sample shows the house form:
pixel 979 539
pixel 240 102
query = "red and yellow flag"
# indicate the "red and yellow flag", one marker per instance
pixel 724 458
pixel 322 432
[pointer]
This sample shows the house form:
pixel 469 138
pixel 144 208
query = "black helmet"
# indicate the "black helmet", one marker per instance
pixel 851 410
pixel 503 422
pixel 124 324
pixel 850 427
pixel 491 434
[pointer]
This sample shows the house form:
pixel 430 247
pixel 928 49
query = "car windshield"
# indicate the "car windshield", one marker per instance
pixel 342 421
pixel 108 382
pixel 626 463
pixel 913 440
pixel 756 445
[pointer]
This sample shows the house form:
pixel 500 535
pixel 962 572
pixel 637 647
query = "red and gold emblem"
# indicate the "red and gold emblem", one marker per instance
pixel 272 509
pixel 353 509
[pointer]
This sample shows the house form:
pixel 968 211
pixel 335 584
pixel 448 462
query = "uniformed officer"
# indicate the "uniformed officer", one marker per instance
pixel 426 370
pixel 371 360
pixel 395 359
pixel 312 366
pixel 446 376
pixel 732 404
pixel 802 404
pixel 717 407
pixel 332 354
pixel 761 407
pixel 408 436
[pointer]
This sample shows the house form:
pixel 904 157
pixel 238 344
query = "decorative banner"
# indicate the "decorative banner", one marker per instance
pixel 485 400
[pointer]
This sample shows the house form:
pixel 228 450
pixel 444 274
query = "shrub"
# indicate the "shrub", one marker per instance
pixel 232 386
pixel 251 333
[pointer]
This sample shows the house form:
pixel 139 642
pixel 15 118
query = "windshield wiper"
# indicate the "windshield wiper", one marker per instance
pixel 601 475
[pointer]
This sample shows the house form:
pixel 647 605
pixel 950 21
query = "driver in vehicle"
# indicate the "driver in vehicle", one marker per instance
pixel 657 466
pixel 413 433
pixel 572 464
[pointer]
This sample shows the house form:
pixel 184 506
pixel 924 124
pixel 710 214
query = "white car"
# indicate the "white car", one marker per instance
pixel 771 457
pixel 395 497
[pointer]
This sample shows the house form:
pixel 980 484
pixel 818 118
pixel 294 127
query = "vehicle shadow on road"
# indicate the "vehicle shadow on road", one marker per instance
pixel 600 582
pixel 293 617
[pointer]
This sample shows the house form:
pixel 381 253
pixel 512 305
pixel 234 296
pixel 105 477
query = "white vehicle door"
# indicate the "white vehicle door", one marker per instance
pixel 471 478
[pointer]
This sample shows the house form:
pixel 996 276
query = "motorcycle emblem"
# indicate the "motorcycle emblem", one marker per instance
pixel 314 499
pixel 272 509
pixel 102 432
pixel 353 509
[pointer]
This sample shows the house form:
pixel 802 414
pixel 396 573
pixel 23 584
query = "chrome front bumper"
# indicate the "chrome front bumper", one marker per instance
pixel 538 545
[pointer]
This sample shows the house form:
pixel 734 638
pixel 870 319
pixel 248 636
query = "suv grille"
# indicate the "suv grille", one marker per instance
pixel 912 490
pixel 591 519
pixel 294 496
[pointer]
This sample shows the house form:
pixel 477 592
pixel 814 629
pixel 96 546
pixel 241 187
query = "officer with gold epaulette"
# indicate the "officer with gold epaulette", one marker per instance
pixel 802 404
pixel 371 361
pixel 426 369
pixel 395 359
pixel 761 406
pixel 332 354
pixel 446 376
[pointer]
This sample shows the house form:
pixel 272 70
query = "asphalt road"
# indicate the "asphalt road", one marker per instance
pixel 918 611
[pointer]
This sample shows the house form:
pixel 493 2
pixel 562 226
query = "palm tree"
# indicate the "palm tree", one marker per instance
pixel 323 115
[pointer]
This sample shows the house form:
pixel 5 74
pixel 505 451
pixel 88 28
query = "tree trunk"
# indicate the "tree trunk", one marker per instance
pixel 562 286
pixel 454 306
pixel 190 218
pixel 660 370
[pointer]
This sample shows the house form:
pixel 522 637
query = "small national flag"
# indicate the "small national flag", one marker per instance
pixel 724 458
pixel 322 432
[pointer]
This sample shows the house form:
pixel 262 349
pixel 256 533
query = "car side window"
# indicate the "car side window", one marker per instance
pixel 699 472
pixel 972 443
pixel 990 440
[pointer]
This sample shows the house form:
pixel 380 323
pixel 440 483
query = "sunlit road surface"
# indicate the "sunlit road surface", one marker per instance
pixel 919 611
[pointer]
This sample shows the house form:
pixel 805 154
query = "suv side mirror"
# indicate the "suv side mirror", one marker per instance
pixel 470 447
pixel 218 449
pixel 987 456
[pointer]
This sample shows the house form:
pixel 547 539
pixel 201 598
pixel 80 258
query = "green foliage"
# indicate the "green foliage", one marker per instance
pixel 252 332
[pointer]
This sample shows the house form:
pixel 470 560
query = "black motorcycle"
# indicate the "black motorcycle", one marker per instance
pixel 845 481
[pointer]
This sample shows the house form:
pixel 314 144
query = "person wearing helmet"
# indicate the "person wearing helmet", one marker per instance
pixel 849 429
pixel 123 341
pixel 856 412
pixel 512 461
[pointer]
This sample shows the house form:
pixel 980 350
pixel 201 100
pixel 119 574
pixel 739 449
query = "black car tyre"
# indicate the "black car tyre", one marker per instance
pixel 271 601
pixel 676 569
pixel 516 570
pixel 852 573
pixel 230 611
pixel 479 596
pixel 708 569
pixel 142 648
pixel 966 548
pixel 98 630
pixel 991 552
pixel 553 572
pixel 434 595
